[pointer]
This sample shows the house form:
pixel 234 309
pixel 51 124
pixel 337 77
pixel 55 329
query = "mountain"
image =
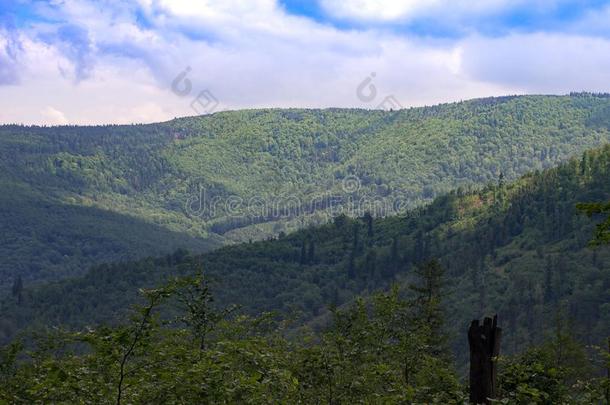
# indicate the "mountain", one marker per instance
pixel 79 196
pixel 47 238
pixel 519 249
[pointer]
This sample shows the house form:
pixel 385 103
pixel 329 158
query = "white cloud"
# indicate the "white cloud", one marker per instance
pixel 220 9
pixel 540 62
pixel 53 116
pixel 376 9
pixel 594 22
pixel 252 54
pixel 397 10
pixel 9 65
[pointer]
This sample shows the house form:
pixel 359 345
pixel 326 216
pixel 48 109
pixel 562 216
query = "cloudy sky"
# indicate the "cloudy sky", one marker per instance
pixel 124 61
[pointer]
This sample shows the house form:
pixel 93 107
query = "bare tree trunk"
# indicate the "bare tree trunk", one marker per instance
pixel 154 298
pixel 129 352
pixel 484 342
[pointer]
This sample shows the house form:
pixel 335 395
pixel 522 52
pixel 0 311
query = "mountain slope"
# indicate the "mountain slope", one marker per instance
pixel 242 175
pixel 518 249
pixel 47 237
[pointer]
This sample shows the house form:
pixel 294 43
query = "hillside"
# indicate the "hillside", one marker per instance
pixel 259 173
pixel 47 238
pixel 517 248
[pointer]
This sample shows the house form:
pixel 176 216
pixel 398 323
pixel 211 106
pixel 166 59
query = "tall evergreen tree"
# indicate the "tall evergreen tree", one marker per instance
pixel 394 258
pixel 368 219
pixel 429 313
pixel 303 258
pixel 549 292
pixel 351 266
pixel 419 247
pixel 18 289
pixel 311 252
pixel 370 263
pixel 356 239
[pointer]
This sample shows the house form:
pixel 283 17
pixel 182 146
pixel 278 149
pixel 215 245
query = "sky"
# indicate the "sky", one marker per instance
pixel 139 61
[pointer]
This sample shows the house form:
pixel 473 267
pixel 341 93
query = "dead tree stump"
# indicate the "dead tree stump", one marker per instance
pixel 484 342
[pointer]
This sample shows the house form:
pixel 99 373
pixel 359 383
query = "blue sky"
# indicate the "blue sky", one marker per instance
pixel 500 20
pixel 85 62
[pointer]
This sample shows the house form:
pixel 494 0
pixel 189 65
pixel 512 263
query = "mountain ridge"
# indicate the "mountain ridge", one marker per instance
pixel 151 172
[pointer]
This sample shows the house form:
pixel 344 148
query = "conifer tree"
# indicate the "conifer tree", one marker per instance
pixel 311 253
pixel 427 303
pixel 303 257
pixel 368 218
pixel 351 266
pixel 18 289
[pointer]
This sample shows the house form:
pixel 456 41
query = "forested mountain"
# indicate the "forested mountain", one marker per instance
pixel 77 196
pixel 519 249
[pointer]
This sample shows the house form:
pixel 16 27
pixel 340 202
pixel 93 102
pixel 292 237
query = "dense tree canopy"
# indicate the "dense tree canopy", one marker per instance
pixel 76 196
pixel 354 307
pixel 518 248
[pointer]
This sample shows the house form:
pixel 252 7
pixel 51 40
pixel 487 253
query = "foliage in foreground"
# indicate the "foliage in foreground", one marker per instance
pixel 378 350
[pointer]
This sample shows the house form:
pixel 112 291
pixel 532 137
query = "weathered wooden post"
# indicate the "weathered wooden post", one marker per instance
pixel 484 342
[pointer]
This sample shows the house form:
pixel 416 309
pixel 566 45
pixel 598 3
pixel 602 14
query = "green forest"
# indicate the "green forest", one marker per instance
pixel 382 349
pixel 309 256
pixel 77 196
pixel 357 310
